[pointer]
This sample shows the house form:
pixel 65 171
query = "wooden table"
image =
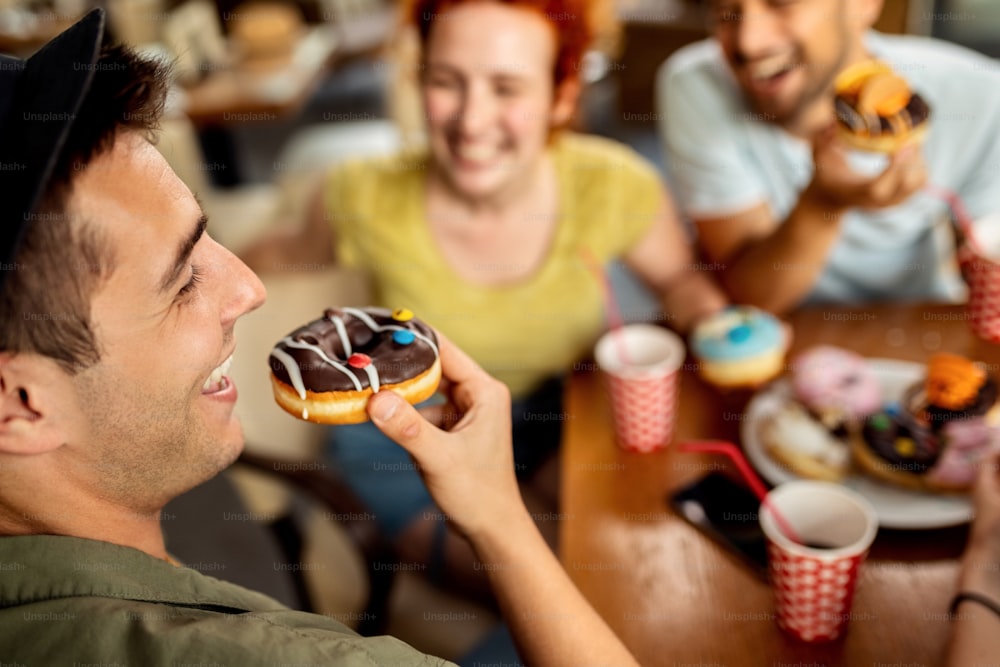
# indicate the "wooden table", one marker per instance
pixel 675 597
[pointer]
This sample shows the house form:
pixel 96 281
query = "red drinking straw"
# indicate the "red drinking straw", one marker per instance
pixel 611 308
pixel 960 213
pixel 757 486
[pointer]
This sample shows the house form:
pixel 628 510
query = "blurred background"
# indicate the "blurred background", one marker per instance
pixel 271 89
pixel 253 74
pixel 267 95
pixel 266 85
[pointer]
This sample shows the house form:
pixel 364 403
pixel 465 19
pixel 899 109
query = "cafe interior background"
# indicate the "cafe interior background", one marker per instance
pixel 266 96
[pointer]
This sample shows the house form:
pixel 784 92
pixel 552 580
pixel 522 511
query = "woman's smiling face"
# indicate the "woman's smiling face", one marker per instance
pixel 489 95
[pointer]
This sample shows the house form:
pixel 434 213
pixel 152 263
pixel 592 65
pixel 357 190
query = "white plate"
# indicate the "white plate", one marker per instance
pixel 896 507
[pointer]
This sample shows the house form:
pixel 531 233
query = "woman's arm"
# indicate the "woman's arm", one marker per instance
pixel 774 264
pixel 664 260
pixel 976 633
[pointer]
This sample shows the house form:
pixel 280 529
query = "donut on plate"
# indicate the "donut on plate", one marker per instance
pixel 895 446
pixel 837 386
pixel 936 439
pixel 833 390
pixel 800 443
pixel 326 371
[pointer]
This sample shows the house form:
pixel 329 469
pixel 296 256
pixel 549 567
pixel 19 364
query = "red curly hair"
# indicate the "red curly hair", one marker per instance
pixel 569 19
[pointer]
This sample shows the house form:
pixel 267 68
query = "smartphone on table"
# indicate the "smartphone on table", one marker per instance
pixel 728 512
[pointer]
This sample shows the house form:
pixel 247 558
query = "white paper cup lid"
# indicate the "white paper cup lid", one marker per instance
pixel 821 512
pixel 639 350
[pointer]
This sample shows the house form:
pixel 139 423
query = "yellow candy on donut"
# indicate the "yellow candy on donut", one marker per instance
pixel 402 315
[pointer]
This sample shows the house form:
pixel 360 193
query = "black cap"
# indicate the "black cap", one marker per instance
pixel 39 100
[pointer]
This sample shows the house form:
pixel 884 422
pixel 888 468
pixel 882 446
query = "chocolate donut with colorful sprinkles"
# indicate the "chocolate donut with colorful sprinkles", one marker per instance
pixel 326 370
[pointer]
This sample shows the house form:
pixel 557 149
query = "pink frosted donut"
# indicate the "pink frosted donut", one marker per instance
pixel 969 443
pixel 835 384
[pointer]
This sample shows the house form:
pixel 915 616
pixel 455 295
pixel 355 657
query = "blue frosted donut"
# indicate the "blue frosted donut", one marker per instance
pixel 739 346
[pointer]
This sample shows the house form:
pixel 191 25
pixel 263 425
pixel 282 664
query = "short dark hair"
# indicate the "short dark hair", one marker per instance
pixel 45 298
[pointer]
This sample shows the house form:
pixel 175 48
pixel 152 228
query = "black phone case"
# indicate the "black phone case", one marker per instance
pixel 727 512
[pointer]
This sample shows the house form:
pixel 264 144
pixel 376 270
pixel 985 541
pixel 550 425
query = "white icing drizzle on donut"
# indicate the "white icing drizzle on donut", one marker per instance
pixel 371 324
pixel 293 370
pixel 370 369
pixel 295 374
pixel 345 342
pixel 305 413
pixel 373 378
pixel 302 345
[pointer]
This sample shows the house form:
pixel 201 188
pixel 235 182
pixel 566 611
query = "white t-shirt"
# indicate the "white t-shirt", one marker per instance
pixel 722 158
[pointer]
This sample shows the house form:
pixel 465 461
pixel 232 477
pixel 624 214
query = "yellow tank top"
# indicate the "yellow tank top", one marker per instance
pixel 525 332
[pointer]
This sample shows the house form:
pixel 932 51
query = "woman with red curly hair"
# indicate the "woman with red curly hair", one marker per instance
pixel 487 233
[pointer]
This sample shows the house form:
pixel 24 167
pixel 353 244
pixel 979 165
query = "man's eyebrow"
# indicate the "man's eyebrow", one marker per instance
pixel 183 253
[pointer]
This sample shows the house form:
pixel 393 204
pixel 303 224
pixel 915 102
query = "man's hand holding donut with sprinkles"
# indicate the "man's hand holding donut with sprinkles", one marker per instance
pixel 491 232
pixel 468 466
pixel 472 458
pixel 469 470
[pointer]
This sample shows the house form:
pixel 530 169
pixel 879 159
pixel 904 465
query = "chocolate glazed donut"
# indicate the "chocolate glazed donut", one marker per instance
pixel 325 371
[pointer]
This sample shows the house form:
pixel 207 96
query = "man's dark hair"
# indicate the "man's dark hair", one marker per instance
pixel 45 298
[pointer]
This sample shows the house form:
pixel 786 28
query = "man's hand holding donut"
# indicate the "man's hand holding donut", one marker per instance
pixel 469 470
pixel 838 184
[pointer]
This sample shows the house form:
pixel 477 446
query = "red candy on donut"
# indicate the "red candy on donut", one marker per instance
pixel 358 360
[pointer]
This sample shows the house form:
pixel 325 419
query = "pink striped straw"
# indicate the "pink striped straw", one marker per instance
pixel 752 480
pixel 612 310
pixel 960 213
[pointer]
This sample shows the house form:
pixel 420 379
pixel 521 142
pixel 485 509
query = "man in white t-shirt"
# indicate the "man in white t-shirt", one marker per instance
pixel 787 212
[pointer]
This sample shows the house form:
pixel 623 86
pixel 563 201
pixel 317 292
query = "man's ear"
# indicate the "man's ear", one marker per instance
pixel 566 98
pixel 27 405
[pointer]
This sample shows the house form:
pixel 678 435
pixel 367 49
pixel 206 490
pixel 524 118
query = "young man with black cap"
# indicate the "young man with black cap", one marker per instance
pixel 116 326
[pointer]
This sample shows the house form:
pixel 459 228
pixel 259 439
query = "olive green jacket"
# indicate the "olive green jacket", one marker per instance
pixel 75 602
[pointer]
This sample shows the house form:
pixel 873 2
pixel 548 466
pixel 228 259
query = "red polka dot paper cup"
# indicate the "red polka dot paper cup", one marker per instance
pixel 982 273
pixel 814 581
pixel 640 364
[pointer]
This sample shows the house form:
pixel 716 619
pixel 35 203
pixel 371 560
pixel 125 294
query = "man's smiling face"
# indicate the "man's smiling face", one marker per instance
pixel 785 54
pixel 158 407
